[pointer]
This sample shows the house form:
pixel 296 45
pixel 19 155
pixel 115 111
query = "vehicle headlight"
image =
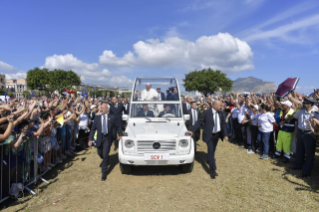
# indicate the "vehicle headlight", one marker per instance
pixel 129 144
pixel 183 143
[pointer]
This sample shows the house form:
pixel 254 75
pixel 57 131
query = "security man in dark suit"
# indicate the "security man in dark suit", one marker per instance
pixel 126 106
pixel 306 141
pixel 194 116
pixel 187 105
pixel 116 109
pixel 214 129
pixel 104 124
pixel 161 95
pixel 145 112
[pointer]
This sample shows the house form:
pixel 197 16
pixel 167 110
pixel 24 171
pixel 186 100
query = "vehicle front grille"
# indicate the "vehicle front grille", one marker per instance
pixel 147 146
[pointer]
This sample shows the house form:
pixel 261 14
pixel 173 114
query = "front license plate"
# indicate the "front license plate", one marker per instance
pixel 163 156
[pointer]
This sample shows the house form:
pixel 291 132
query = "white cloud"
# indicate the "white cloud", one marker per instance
pixel 90 73
pixel 6 67
pixel 221 51
pixel 18 75
pixel 283 31
pixel 290 25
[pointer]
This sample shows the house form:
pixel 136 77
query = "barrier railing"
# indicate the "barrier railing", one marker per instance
pixel 30 168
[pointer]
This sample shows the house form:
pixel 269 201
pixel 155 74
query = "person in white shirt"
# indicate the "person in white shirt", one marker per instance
pixel 149 93
pixel 265 126
pixel 234 114
pixel 241 130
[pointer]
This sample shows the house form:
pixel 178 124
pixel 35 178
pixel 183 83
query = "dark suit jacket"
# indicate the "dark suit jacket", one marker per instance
pixel 185 111
pixel 163 96
pixel 117 112
pixel 207 119
pixel 141 113
pixel 189 124
pixel 111 123
pixel 164 112
pixel 127 111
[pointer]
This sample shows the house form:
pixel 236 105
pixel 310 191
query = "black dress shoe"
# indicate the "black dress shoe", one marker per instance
pixel 295 168
pixel 104 176
pixel 115 148
pixel 285 160
pixel 213 174
pixel 101 164
pixel 305 175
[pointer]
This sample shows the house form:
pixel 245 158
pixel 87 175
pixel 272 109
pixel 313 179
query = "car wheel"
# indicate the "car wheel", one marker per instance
pixel 125 169
pixel 187 168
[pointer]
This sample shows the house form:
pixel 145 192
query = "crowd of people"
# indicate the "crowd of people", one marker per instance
pixel 61 124
pixel 266 124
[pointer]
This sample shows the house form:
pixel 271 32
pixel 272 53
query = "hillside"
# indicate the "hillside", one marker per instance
pixel 252 84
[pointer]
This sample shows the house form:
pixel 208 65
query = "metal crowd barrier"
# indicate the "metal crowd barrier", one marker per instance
pixel 37 173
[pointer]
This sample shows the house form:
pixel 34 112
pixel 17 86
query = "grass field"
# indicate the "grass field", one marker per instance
pixel 245 183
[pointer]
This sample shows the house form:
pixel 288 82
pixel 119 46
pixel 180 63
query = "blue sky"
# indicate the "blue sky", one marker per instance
pixel 112 42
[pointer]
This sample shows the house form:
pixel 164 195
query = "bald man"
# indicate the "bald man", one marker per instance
pixel 214 129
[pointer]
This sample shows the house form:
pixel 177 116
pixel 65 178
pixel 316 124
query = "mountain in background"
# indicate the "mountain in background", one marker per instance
pixel 252 84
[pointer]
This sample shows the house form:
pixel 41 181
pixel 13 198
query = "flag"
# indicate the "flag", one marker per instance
pixel 60 120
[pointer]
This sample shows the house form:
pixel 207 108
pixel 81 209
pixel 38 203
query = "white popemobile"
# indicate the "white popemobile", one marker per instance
pixel 156 134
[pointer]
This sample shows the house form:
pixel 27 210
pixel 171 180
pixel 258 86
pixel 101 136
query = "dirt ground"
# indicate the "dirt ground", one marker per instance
pixel 245 183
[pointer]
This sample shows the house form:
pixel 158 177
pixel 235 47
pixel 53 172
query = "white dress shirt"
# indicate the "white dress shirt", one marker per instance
pixel 194 115
pixel 102 125
pixel 216 128
pixel 188 106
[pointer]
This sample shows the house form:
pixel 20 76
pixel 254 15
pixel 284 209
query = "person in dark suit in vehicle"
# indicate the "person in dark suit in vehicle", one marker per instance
pixel 194 116
pixel 104 124
pixel 116 109
pixel 214 129
pixel 145 112
pixel 161 95
pixel 167 110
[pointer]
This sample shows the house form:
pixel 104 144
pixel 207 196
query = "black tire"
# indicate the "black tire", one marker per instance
pixel 187 168
pixel 125 169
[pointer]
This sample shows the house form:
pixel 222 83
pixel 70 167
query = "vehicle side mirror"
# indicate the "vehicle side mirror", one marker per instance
pixel 124 117
pixel 187 117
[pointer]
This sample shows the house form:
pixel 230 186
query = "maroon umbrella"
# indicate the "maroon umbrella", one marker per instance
pixel 287 86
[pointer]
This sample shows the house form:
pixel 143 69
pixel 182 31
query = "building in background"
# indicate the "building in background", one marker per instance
pixel 2 81
pixel 16 86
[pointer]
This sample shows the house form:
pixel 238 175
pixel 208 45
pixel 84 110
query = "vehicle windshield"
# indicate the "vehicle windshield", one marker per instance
pixel 155 90
pixel 156 111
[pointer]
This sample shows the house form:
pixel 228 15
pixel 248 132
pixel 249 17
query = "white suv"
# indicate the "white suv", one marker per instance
pixel 156 134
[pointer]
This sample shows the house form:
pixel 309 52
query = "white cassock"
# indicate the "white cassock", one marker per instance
pixel 149 94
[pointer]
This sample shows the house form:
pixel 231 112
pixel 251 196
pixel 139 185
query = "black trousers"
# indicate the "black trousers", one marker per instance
pixel 211 145
pixel 306 147
pixel 114 135
pixel 104 151
pixel 254 134
pixel 235 126
pixel 242 137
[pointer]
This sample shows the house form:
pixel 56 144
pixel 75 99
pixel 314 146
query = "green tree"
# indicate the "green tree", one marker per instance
pixel 207 81
pixel 2 92
pixel 37 79
pixel 59 79
pixel 10 94
pixel 26 94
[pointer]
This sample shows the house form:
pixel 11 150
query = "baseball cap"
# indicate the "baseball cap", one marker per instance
pixel 286 102
pixel 255 106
